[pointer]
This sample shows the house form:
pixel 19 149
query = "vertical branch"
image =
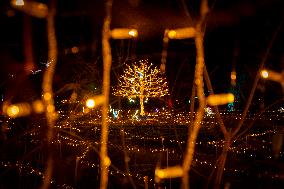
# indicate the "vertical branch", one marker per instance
pixel 28 44
pixel 47 92
pixel 104 159
pixel 216 109
pixel 231 136
pixel 192 102
pixel 257 77
pixel 198 81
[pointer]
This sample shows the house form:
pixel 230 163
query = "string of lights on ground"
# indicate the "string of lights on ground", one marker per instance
pixel 148 139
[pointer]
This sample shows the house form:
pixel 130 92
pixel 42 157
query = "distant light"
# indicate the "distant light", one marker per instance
pixel 74 50
pixel 90 103
pixel 115 113
pixel 131 100
pixel 233 75
pixel 264 74
pixel 163 68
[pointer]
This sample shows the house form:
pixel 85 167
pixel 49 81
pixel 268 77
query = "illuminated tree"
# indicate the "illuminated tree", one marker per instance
pixel 141 80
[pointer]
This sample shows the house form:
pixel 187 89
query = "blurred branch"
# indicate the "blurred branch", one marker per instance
pixel 198 79
pixel 106 34
pixel 47 91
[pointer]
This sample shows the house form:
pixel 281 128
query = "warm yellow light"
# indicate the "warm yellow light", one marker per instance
pixel 233 75
pixel 230 98
pixel 172 34
pixel 38 106
pixel 170 172
pixel 123 33
pixel 182 33
pixel 50 108
pixel 107 162
pixel 46 96
pixel 32 8
pixel 13 111
pixel 220 99
pixel 163 68
pixel 74 50
pixel 19 2
pixel 18 110
pixel 90 103
pixel 264 74
pixel 133 33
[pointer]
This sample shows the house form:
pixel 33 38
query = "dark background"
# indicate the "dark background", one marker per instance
pixel 237 35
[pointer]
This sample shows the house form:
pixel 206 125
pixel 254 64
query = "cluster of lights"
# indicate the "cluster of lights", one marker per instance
pixel 114 172
pixel 23 109
pixel 141 80
pixel 28 169
pixel 239 149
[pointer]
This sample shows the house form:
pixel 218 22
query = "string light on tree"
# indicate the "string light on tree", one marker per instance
pixel 32 8
pixel 95 101
pixel 142 80
pixel 273 76
pixel 264 74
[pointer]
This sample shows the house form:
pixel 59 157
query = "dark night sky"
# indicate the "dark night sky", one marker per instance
pixel 237 33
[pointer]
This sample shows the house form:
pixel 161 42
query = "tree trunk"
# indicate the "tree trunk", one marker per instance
pixel 142 105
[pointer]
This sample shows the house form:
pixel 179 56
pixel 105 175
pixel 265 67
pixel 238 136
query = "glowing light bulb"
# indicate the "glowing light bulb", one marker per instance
pixel 123 33
pixel 182 33
pixel 220 99
pixel 90 103
pixel 172 34
pixel 18 110
pixel 133 33
pixel 264 74
pixel 31 8
pixel 233 75
pixel 47 96
pixel 50 108
pixel 170 172
pixel 74 50
pixel 13 111
pixel 19 2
